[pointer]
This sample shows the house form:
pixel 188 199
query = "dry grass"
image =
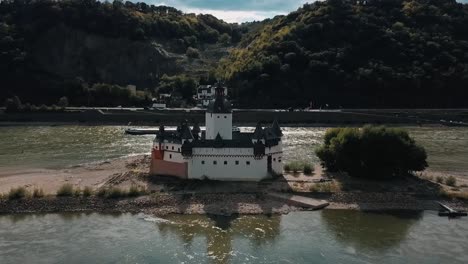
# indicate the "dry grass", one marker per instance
pixel 65 191
pixel 38 193
pixel 326 187
pixel 87 191
pixel 18 193
pixel 453 195
pixel 451 181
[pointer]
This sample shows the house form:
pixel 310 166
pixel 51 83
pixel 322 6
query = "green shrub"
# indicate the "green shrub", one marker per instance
pixel 372 152
pixel 87 191
pixel 134 191
pixel 38 193
pixel 17 193
pixel 325 187
pixel 192 53
pixel 102 192
pixel 77 192
pixel 307 169
pixel 287 167
pixel 115 192
pixel 451 181
pixel 66 190
pixel 439 179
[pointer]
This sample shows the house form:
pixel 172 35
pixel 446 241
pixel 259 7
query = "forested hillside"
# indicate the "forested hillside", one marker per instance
pixel 88 50
pixel 385 53
pixel 363 54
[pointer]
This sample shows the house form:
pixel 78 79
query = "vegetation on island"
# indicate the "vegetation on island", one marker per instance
pixel 371 152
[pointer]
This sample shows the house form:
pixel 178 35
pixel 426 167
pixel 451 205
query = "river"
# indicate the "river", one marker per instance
pixel 64 146
pixel 328 236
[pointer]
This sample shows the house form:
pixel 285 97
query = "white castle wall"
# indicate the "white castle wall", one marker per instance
pixel 202 165
pixel 218 123
pixel 172 151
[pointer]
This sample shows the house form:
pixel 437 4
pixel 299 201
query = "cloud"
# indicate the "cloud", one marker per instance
pixel 234 10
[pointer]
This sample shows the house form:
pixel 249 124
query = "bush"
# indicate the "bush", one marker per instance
pixel 439 179
pixel 87 191
pixel 192 53
pixel 17 193
pixel 134 191
pixel 66 190
pixel 38 193
pixel 325 187
pixel 13 105
pixel 115 192
pixel 101 193
pixel 77 192
pixel 451 181
pixel 63 102
pixel 307 169
pixel 372 152
pixel 287 167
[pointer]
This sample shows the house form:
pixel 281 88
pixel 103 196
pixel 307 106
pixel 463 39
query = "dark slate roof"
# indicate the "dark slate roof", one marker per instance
pixel 185 132
pixel 196 128
pixel 258 133
pixel 276 128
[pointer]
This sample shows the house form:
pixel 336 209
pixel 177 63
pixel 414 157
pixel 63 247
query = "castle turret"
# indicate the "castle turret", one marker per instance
pixel 218 117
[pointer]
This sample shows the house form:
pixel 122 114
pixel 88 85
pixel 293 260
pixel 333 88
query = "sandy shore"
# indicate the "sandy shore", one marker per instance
pixel 200 197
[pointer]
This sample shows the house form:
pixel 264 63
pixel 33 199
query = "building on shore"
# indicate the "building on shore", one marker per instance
pixel 206 93
pixel 219 152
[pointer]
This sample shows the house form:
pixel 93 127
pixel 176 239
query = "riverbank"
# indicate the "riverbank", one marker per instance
pixel 168 196
pixel 113 116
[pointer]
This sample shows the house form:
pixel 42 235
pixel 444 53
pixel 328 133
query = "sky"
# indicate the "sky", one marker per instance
pixel 234 10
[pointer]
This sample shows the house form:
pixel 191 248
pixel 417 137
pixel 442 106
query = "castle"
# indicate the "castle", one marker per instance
pixel 219 152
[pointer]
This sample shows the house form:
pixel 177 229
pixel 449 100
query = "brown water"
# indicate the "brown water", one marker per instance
pixel 329 236
pixel 63 146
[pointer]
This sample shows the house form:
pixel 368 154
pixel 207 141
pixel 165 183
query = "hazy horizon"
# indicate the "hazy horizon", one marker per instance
pixel 237 11
pixel 234 11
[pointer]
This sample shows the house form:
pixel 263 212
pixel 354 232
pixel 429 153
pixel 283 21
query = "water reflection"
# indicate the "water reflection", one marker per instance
pixel 220 231
pixel 370 231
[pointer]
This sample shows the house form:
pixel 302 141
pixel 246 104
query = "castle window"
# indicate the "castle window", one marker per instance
pixel 156 147
pixel 172 147
pixel 202 162
pixel 170 156
pixel 214 162
pixel 167 147
pixel 274 159
pixel 247 162
pixel 218 116
pixel 178 149
pixel 279 160
pixel 237 162
pixel 225 162
pixel 225 116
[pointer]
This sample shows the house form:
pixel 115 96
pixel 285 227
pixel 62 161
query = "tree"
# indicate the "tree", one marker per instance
pixel 224 39
pixel 193 53
pixel 63 102
pixel 371 152
pixel 13 105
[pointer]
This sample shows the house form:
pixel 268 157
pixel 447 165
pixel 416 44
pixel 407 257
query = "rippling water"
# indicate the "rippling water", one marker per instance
pixel 329 236
pixel 62 146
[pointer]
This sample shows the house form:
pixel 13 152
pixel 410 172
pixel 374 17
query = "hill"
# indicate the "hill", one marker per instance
pixel 381 53
pixel 50 49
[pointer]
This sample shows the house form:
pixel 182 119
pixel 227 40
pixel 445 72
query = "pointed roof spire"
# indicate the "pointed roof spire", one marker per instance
pixel 258 133
pixel 218 141
pixel 185 132
pixel 196 128
pixel 276 128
